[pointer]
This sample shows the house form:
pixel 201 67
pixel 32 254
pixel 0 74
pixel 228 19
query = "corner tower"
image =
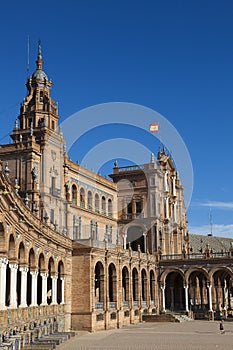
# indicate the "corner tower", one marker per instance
pixel 35 158
pixel 38 112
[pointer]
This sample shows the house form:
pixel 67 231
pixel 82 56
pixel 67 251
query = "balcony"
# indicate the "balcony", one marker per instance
pixel 99 306
pixel 112 305
pixel 125 304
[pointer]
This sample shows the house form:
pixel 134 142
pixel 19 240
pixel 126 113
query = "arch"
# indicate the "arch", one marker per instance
pixel 109 207
pixel 198 292
pixel 31 267
pixel 11 249
pixel 144 284
pixel 51 272
pixel 82 197
pixel 152 285
pixel 41 269
pixel 222 291
pixel 99 283
pixel 41 262
pixel 136 234
pixel 21 253
pixel 135 286
pixel 103 205
pixel 174 291
pixel 31 258
pixel 97 203
pixel 112 283
pixel 2 237
pixel 74 194
pixel 125 285
pixel 60 281
pixel 89 200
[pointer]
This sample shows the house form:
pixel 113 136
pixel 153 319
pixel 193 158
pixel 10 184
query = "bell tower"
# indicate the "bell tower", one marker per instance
pixel 36 156
pixel 38 112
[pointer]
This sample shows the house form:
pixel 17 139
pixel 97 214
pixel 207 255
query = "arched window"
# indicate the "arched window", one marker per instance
pixel 89 200
pixel 41 267
pixel 125 286
pixel 99 286
pixel 60 281
pixel 144 286
pixel 109 207
pixel 97 203
pixel 103 205
pixel 51 271
pixel 82 198
pixel 74 194
pixel 135 286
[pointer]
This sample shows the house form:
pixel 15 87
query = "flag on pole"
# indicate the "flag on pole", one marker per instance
pixel 154 127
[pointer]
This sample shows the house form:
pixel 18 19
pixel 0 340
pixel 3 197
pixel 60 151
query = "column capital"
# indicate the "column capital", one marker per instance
pixel 44 274
pixel 23 269
pixel 13 266
pixel 3 261
pixel 34 273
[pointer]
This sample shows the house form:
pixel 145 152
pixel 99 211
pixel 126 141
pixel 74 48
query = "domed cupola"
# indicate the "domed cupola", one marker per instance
pixel 39 76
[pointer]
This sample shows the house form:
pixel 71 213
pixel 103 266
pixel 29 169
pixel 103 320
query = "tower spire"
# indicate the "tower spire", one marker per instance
pixel 39 62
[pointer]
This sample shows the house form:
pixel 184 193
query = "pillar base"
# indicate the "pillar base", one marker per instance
pixel 211 315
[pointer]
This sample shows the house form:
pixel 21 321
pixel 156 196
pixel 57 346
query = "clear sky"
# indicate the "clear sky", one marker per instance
pixel 175 57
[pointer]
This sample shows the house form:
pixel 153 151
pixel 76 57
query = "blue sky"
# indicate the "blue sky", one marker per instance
pixel 175 57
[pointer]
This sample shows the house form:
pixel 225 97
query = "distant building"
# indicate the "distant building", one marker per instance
pixel 78 251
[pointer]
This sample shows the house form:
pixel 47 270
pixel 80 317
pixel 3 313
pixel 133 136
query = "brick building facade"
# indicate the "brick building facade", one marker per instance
pixel 79 251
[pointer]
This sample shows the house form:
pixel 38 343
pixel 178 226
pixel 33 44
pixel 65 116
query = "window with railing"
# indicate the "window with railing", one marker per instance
pixel 109 207
pixel 97 203
pixel 89 200
pixel 103 205
pixel 77 224
pixel 82 198
pixel 94 230
pixel 108 234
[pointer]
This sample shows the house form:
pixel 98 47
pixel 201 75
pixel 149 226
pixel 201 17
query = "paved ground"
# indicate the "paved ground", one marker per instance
pixel 193 335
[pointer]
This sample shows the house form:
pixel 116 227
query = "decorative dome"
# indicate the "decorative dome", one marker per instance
pixel 39 74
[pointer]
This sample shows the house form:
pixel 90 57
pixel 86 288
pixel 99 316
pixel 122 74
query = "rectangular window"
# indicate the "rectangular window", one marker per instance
pixel 94 230
pixel 153 205
pixel 108 234
pixel 77 225
pixel 52 216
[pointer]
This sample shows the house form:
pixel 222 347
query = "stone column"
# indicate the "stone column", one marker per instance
pixel 145 245
pixel 44 288
pixel 54 290
pixel 23 289
pixel 165 181
pixel 62 290
pixel 134 215
pixel 13 285
pixel 163 298
pixel 174 186
pixel 174 211
pixel 210 298
pixel 166 207
pixel 3 264
pixel 124 240
pixel 172 298
pixel 186 298
pixel 34 288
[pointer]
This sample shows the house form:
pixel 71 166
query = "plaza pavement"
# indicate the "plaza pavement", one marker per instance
pixel 193 335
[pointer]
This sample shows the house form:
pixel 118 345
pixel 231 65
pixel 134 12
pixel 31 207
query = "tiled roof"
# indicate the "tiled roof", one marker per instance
pixel 198 243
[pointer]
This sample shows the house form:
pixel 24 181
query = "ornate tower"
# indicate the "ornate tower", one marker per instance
pixel 36 156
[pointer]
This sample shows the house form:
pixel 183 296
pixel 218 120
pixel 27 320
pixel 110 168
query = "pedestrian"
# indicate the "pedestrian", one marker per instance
pixel 221 327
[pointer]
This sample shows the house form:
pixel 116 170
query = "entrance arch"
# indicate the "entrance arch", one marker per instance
pixel 174 292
